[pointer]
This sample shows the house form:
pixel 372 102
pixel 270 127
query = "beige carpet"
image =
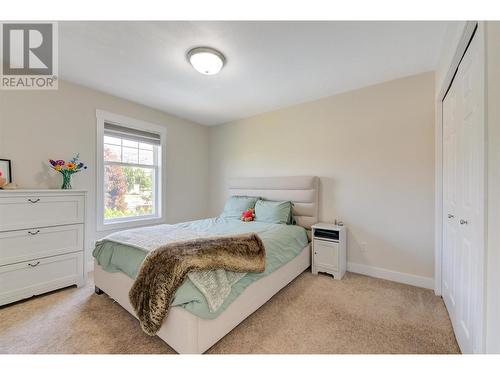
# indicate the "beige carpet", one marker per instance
pixel 314 314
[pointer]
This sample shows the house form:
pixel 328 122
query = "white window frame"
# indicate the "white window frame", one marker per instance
pixel 129 222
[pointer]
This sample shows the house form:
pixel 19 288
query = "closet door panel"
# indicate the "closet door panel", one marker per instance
pixel 450 196
pixel 463 200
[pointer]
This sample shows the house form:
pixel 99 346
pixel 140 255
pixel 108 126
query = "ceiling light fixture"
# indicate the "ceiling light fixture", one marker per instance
pixel 206 60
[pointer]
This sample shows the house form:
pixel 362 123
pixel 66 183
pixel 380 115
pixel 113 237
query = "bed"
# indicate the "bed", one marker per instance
pixel 191 327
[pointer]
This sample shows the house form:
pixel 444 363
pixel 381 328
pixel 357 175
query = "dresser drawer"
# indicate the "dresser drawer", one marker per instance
pixel 21 245
pixel 34 211
pixel 27 279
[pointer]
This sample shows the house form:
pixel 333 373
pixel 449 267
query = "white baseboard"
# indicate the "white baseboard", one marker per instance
pixel 400 277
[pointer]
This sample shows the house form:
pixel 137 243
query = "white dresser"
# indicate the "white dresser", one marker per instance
pixel 42 237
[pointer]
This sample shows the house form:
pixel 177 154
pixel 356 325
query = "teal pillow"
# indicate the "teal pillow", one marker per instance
pixel 236 205
pixel 273 212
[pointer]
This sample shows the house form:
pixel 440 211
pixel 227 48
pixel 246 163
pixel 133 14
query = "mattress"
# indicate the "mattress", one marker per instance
pixel 283 243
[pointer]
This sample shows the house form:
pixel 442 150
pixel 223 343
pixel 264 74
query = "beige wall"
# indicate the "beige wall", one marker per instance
pixel 38 125
pixel 374 151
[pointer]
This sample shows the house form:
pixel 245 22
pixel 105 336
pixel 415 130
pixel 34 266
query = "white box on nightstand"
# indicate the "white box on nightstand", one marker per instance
pixel 329 251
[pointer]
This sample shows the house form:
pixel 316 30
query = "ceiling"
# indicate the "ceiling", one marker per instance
pixel 269 64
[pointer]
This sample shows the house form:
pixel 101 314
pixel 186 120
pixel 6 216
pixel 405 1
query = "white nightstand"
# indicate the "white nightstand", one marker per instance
pixel 329 251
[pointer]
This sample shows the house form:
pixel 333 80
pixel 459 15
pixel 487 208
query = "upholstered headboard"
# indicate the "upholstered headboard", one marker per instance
pixel 302 191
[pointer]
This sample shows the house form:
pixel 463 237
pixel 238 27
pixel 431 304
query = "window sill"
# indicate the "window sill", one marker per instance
pixel 130 223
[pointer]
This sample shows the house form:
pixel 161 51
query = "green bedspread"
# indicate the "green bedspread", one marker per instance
pixel 283 243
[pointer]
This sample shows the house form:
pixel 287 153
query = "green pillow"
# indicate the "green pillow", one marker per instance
pixel 236 205
pixel 273 212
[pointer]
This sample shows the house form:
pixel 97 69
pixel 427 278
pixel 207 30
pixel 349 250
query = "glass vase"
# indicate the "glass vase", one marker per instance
pixel 66 185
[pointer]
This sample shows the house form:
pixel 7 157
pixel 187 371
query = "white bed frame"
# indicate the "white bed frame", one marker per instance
pixel 188 333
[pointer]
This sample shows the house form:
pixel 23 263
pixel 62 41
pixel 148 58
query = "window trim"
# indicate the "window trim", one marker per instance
pixel 130 222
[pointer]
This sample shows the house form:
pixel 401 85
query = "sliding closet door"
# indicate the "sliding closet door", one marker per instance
pixel 450 196
pixel 471 203
pixel 463 193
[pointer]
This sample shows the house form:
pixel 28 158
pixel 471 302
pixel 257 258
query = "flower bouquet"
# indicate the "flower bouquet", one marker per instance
pixel 67 169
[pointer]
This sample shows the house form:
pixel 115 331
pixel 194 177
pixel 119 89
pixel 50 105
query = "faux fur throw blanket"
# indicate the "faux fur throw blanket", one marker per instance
pixel 215 285
pixel 165 269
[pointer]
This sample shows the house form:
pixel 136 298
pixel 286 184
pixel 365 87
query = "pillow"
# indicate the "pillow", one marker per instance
pixel 236 205
pixel 273 212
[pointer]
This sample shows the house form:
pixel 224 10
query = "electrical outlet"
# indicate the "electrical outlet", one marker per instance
pixel 363 246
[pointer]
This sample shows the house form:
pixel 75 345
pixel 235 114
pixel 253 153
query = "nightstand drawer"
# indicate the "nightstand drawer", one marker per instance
pixel 326 254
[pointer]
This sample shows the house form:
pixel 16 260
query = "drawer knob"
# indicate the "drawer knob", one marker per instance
pixel 34 233
pixel 34 200
pixel 34 264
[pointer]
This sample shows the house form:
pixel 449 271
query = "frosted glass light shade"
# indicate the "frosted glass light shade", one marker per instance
pixel 206 60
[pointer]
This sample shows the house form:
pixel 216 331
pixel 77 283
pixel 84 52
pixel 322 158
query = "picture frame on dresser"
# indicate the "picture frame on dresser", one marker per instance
pixel 6 169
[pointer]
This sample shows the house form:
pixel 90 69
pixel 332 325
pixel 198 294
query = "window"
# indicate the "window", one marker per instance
pixel 130 186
